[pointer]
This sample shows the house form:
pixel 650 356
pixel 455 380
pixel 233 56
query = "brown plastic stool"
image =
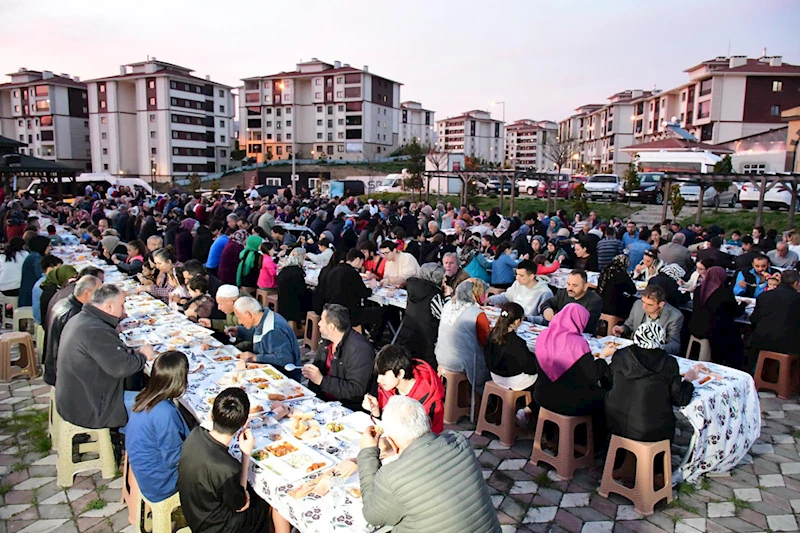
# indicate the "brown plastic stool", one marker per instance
pixel 311 338
pixel 249 291
pixel 262 295
pixel 643 494
pixel 457 391
pixel 564 461
pixel 506 428
pixel 25 365
pixel 788 373
pixel 272 302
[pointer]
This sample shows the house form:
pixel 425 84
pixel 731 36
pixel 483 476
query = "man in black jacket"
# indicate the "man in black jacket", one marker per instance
pixel 63 311
pixel 345 287
pixel 714 253
pixel 749 252
pixel 342 368
pixel 93 363
pixel 577 291
pixel 776 317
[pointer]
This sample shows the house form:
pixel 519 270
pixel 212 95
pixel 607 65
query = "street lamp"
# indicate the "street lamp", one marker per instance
pixel 575 157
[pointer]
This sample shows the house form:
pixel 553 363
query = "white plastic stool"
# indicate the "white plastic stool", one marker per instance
pixel 67 468
pixel 20 314
pixel 704 354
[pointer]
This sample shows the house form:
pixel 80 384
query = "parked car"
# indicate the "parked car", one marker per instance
pixel 494 186
pixel 778 197
pixel 563 187
pixel 528 186
pixel 691 194
pixel 602 186
pixel 650 189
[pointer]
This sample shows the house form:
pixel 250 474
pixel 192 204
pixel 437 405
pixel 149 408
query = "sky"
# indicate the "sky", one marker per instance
pixel 542 58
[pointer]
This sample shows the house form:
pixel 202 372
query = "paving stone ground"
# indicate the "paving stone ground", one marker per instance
pixel 761 494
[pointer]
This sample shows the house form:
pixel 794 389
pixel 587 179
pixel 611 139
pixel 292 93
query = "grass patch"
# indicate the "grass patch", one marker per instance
pixel 744 220
pixel 796 434
pixel 95 505
pixel 686 489
pixel 543 480
pixel 705 483
pixel 16 467
pixel 32 427
pixel 739 504
pixel 4 489
pixel 677 503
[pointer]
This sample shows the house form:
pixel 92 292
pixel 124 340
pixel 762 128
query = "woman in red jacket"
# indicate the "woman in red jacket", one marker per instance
pixel 398 373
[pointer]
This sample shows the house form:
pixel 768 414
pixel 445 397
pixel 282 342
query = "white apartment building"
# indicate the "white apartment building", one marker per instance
pixel 416 123
pixel 525 143
pixel 155 120
pixel 327 111
pixel 475 134
pixel 49 113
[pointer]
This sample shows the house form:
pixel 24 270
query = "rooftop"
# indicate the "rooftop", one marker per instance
pixel 674 144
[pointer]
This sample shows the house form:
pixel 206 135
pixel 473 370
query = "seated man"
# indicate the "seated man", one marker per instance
pixel 274 341
pixel 653 307
pixel 578 292
pixel 344 286
pixel 751 283
pixel 526 291
pixel 228 326
pixel 453 274
pixel 93 363
pixel 342 368
pixel 63 311
pixel 440 471
pixel 714 252
pixel 399 265
pixel 782 257
pixel 777 316
pixel 213 497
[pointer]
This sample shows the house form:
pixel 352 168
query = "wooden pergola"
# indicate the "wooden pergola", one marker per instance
pixel 12 164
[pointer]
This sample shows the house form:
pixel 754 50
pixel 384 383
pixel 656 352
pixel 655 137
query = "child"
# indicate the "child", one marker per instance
pixel 269 271
pixel 179 294
pixel 55 240
pixel 773 281
pixel 213 489
pixel 132 263
pixel 200 304
pixel 736 239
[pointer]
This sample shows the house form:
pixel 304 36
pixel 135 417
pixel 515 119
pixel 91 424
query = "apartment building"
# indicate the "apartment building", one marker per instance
pixel 417 124
pixel 473 133
pixel 49 113
pixel 525 143
pixel 156 120
pixel 321 110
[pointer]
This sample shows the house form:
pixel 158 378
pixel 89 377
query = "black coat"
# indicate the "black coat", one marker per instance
pixel 420 326
pixel 345 287
pixel 776 320
pixel 618 296
pixel 715 321
pixel 717 256
pixel 350 375
pixel 510 359
pixel 577 392
pixel 645 384
pixel 292 293
pixel 202 244
pixel 148 229
pixel 745 260
pixel 63 311
pixel 675 297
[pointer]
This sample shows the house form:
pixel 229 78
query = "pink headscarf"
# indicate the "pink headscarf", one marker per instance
pixel 561 345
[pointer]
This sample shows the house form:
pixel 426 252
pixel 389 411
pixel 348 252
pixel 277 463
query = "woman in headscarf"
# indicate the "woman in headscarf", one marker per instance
pixel 348 237
pixel 569 375
pixel 201 244
pixel 38 247
pixel 714 312
pixel 668 278
pixel 555 252
pixel 183 239
pixel 461 233
pixel 463 330
pixel 249 262
pixel 110 245
pixel 555 225
pixel 53 281
pixel 98 212
pixel 293 294
pixel 645 384
pixel 229 259
pixel 423 312
pixel 519 240
pixel 616 288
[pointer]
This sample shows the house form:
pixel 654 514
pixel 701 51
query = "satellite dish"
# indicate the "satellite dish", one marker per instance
pixel 674 119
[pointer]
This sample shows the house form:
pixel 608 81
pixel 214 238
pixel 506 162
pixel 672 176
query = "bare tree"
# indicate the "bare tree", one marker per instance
pixel 558 151
pixel 438 160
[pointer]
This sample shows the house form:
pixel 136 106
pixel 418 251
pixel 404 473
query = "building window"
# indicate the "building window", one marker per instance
pixel 777 86
pixel 340 122
pixel 775 110
pixel 288 136
pixel 103 136
pixel 340 148
pixel 288 123
pixel 318 95
pixel 173 84
pixel 705 87
pixel 105 166
pixel 269 111
pixel 330 123
pixel 330 110
pixel 330 137
pixel 152 101
pixel 16 94
pixel 222 138
pixel 105 151
pixel 152 84
pixel 277 112
pixel 341 108
pixel 319 122
pixel 87 138
pixel 754 168
pixel 103 104
pixel 340 135
pixel 152 151
pixel 221 123
pixel 269 136
pixel 269 123
pixel 101 87
pixel 103 120
pixel 221 93
pixel 222 109
pixel 339 94
pixel 279 150
pixel 152 118
pixel 152 135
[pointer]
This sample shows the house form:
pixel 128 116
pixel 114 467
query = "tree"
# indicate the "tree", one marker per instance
pixel 676 200
pixel 214 185
pixel 194 182
pixel 632 181
pixel 438 160
pixel 725 166
pixel 268 155
pixel 416 164
pixel 588 169
pixel 558 151
pixel 579 199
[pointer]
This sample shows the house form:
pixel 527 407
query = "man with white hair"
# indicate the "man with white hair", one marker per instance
pixel 229 326
pixel 439 470
pixel 274 340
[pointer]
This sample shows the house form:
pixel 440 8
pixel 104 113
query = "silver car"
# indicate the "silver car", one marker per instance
pixel 691 193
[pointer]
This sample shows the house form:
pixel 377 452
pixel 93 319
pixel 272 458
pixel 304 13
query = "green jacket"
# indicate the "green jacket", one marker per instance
pixel 221 324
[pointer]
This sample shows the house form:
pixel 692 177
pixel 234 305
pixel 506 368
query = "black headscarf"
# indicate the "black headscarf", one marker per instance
pixel 39 244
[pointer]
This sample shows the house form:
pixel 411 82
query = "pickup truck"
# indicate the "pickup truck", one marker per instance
pixel 603 186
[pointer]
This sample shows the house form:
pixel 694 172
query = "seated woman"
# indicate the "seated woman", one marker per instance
pixel 668 277
pixel 399 374
pixel 649 266
pixel 697 276
pixel 616 288
pixel 423 311
pixel 167 280
pixel 503 266
pixel 293 299
pixel 131 263
pixel 463 331
pixel 555 252
pixel 568 381
pixel 156 430
pixel 584 259
pixel 111 246
pixel 645 384
pixel 249 263
pixel 510 363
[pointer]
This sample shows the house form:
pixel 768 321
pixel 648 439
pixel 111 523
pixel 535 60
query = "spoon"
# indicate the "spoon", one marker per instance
pixel 290 367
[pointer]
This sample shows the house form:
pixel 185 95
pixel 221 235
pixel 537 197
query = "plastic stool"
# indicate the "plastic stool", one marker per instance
pixel 39 342
pixel 704 354
pixel 54 419
pixel 161 513
pixel 788 374
pixel 272 302
pixel 262 295
pixel 456 396
pixel 67 468
pixel 564 461
pixel 12 301
pixel 506 428
pixel 312 336
pixel 20 314
pixel 26 364
pixel 643 494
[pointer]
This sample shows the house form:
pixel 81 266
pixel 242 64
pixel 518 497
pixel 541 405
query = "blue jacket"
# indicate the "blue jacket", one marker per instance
pixel 479 268
pixel 742 291
pixel 636 253
pixel 31 272
pixel 154 441
pixel 627 239
pixel 504 270
pixel 36 295
pixel 274 342
pixel 215 252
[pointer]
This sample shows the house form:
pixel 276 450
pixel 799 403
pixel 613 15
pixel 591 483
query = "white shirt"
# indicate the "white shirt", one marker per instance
pixel 529 299
pixel 341 208
pixel 404 266
pixel 11 271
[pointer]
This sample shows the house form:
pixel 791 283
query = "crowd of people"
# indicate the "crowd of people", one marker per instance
pixel 207 256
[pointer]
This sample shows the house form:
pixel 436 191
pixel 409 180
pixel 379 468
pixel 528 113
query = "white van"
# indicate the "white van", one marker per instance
pixel 70 190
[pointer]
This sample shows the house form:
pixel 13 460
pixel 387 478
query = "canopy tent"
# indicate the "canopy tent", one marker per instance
pixel 14 164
